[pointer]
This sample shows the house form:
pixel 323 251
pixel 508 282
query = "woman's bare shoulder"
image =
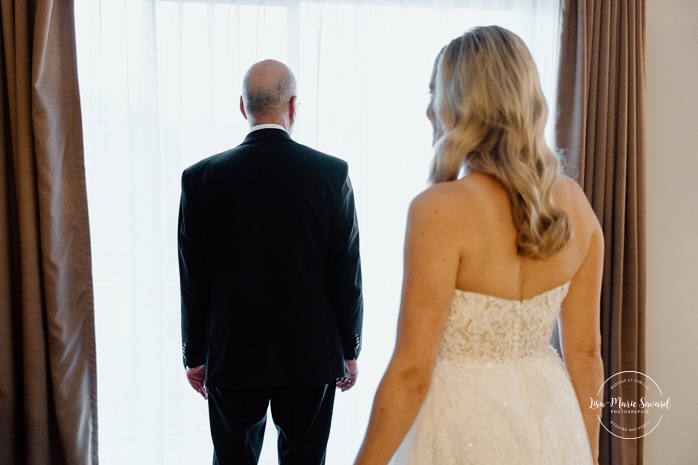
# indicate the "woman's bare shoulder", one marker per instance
pixel 433 205
pixel 570 196
pixel 461 209
pixel 567 186
pixel 451 197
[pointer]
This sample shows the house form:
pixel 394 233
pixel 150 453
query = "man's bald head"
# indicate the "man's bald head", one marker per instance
pixel 267 90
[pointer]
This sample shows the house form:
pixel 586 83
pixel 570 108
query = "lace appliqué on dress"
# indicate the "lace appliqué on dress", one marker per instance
pixel 486 328
pixel 499 394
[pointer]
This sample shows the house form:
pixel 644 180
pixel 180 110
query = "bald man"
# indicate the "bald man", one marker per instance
pixel 270 281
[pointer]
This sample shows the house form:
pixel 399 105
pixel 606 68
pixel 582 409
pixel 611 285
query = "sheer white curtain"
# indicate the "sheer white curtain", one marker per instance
pixel 160 82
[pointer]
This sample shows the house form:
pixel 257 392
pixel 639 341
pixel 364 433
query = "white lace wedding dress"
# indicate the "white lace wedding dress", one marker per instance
pixel 499 394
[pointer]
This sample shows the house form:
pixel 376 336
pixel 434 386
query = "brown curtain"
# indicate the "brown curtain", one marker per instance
pixel 47 350
pixel 601 128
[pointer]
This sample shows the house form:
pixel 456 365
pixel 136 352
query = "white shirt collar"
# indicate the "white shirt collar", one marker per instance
pixel 267 126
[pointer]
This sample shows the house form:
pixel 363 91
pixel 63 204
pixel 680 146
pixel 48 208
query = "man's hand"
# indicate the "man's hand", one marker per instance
pixel 197 379
pixel 351 371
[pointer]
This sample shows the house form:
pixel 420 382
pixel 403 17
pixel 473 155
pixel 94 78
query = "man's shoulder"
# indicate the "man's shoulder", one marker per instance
pixel 323 160
pixel 200 167
pixel 302 155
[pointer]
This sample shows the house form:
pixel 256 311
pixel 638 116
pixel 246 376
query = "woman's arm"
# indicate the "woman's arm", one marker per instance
pixel 431 264
pixel 581 334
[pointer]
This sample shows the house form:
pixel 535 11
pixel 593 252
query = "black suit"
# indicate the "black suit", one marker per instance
pixel 269 267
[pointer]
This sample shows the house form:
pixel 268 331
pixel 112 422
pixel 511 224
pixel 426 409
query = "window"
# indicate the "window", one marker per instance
pixel 160 82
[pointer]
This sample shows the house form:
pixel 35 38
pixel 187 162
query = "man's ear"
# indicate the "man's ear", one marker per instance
pixel 293 108
pixel 242 108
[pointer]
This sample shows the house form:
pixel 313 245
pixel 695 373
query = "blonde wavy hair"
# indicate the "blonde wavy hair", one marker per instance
pixel 490 106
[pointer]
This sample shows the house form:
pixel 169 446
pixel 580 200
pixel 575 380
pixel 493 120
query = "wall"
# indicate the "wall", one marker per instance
pixel 672 225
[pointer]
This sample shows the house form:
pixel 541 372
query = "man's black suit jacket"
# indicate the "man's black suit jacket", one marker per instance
pixel 270 273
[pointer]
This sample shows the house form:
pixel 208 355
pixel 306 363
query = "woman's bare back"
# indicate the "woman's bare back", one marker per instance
pixel 481 223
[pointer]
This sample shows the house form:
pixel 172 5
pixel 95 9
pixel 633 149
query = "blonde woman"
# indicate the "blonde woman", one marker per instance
pixel 497 248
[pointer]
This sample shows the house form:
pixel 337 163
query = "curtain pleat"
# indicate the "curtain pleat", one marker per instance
pixel 47 348
pixel 601 101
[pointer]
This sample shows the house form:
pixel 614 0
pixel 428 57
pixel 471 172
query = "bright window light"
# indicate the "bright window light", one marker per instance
pixel 160 82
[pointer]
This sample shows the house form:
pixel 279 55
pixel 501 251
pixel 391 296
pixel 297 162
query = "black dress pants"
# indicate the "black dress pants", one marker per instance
pixel 302 415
